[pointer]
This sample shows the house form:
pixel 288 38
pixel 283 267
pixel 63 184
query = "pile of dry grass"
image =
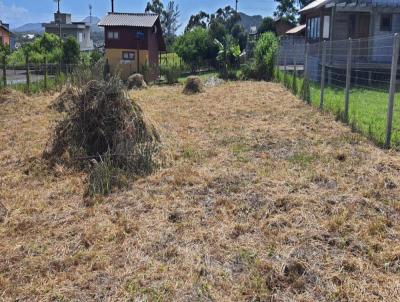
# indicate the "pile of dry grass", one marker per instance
pixel 65 99
pixel 9 95
pixel 104 126
pixel 193 85
pixel 136 81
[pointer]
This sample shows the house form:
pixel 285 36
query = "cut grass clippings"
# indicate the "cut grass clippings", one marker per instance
pixel 264 199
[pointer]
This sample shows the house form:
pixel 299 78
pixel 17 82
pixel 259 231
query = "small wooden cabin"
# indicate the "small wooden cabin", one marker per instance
pixel 133 41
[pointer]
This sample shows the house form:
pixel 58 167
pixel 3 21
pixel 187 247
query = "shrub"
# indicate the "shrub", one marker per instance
pixel 232 74
pixel 248 71
pixel 71 51
pixel 193 85
pixel 136 81
pixel 172 73
pixel 265 56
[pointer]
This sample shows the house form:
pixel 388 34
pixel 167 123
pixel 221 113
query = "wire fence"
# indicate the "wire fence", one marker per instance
pixel 34 77
pixel 172 60
pixel 356 79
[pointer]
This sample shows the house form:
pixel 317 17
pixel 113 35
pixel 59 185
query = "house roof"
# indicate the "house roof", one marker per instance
pixel 281 19
pixel 296 29
pixel 313 5
pixel 129 19
pixel 4 27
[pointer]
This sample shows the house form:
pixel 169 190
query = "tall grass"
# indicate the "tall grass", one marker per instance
pixel 367 108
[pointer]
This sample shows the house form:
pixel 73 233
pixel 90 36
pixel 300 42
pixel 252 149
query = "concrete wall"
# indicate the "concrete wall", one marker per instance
pixel 85 44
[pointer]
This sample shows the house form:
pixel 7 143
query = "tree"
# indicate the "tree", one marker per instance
pixel 168 18
pixel 265 55
pixel 71 51
pixel 267 25
pixel 201 19
pixel 228 54
pixel 239 35
pixel 46 45
pixel 155 6
pixel 286 9
pixel 194 47
pixel 171 22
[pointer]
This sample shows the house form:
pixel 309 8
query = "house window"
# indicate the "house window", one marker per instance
pixel 326 29
pixel 113 35
pixel 313 28
pixel 128 55
pixel 140 35
pixel 386 22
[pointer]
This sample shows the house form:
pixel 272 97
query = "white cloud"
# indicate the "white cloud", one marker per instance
pixel 12 13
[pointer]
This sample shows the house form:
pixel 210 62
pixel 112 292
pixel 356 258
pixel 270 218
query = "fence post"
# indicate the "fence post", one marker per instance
pixel 321 98
pixel 306 61
pixel 392 89
pixel 348 80
pixel 45 73
pixel 28 77
pixel 4 71
pixel 284 61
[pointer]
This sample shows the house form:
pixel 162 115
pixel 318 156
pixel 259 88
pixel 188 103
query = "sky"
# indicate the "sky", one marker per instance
pixel 19 12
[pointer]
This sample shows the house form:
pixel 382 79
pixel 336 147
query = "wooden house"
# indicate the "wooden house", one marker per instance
pixel 133 42
pixel 369 22
pixel 282 26
pixel 5 34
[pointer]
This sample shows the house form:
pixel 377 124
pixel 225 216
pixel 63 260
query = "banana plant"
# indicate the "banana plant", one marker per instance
pixel 229 52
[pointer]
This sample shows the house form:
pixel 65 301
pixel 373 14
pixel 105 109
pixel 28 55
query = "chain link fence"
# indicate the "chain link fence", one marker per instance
pixel 356 79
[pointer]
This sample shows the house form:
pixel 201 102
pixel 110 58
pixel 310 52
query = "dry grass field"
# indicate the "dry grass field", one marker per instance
pixel 262 199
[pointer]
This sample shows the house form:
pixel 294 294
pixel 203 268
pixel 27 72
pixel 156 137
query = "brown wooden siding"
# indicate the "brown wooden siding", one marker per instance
pixel 127 38
pixel 4 37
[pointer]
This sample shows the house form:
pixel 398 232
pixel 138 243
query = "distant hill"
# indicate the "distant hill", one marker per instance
pixel 95 20
pixel 248 21
pixel 32 28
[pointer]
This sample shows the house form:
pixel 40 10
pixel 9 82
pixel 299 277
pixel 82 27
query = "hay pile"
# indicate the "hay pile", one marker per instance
pixel 104 126
pixel 9 95
pixel 65 99
pixel 193 85
pixel 136 81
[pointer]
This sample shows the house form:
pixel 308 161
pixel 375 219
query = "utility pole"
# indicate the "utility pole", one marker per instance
pixel 237 5
pixel 90 9
pixel 59 31
pixel 112 6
